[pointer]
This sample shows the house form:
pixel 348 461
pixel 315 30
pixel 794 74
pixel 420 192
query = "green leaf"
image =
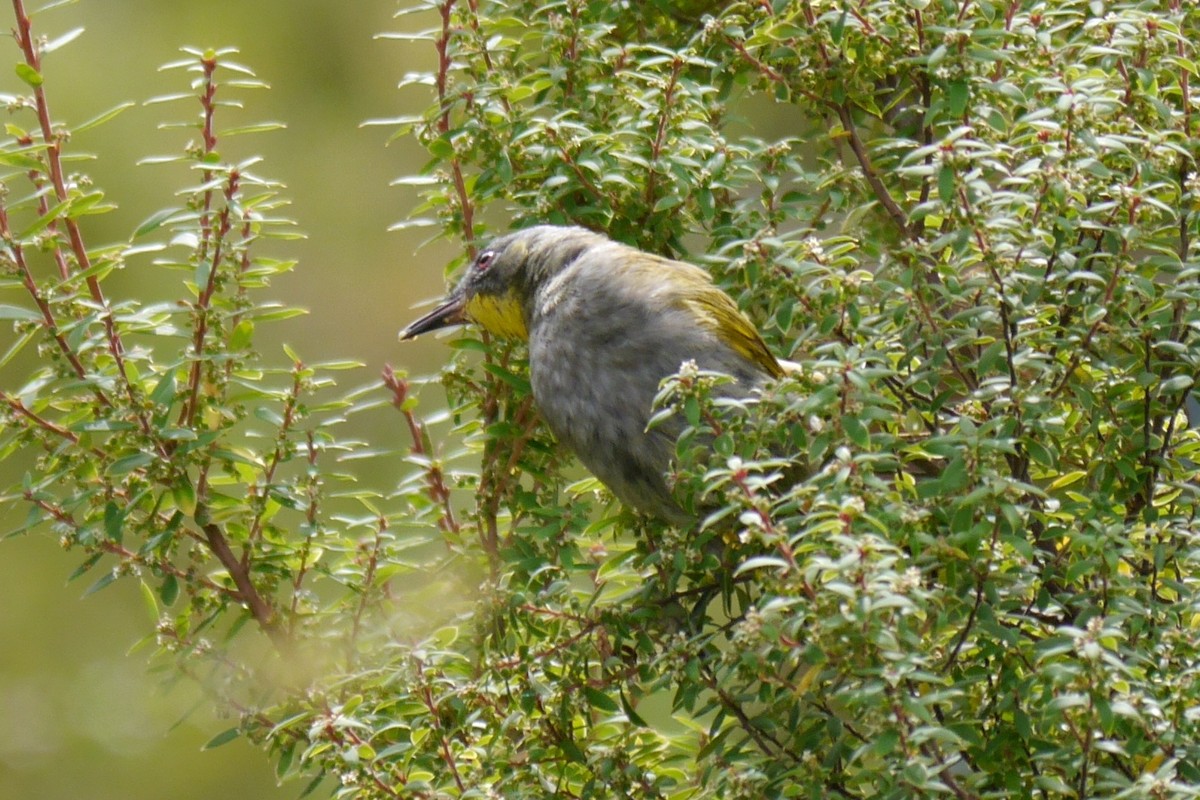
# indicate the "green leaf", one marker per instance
pixel 311 786
pixel 957 94
pixel 169 590
pixel 114 521
pixel 150 602
pixel 18 312
pixel 102 425
pixel 946 184
pixel 668 202
pixel 837 29
pixel 28 74
pixel 43 221
pixel 89 203
pixel 1068 479
pixel 277 313
pixel 441 148
pixel 857 431
pixel 600 700
pixel 85 567
pixel 23 160
pixel 62 41
pixel 154 221
pixel 202 273
pixel 1179 383
pixel 260 127
pixel 164 390
pixel 19 345
pixel 953 477
pixel 284 765
pixel 100 119
pixel 242 335
pixel 53 4
pixel 104 581
pixel 572 751
pixel 631 713
pixel 224 737
pixel 885 742
pixel 129 463
pixel 761 562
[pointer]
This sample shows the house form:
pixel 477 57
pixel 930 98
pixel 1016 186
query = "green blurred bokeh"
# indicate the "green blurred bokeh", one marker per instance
pixel 79 716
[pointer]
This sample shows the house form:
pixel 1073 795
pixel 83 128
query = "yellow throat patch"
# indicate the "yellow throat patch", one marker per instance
pixel 500 316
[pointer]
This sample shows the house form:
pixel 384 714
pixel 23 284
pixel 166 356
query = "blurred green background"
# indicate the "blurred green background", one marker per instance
pixel 79 716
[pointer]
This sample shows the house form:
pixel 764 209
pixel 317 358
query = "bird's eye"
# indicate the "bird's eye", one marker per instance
pixel 484 260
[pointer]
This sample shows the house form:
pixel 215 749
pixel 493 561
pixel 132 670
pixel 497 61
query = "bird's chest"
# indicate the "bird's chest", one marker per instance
pixel 595 376
pixel 586 390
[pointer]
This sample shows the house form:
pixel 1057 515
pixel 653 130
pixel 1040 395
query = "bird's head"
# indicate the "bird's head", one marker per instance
pixel 497 288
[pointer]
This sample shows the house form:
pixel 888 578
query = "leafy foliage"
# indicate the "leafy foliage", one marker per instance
pixel 954 554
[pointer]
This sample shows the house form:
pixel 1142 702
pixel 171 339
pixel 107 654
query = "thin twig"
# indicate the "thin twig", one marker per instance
pixel 203 305
pixel 53 141
pixel 276 458
pixel 435 483
pixel 442 82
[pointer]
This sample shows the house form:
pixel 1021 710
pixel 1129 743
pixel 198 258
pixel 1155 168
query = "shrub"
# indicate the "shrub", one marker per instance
pixel 978 242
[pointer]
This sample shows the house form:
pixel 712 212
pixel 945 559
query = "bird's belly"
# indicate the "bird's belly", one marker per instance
pixel 599 408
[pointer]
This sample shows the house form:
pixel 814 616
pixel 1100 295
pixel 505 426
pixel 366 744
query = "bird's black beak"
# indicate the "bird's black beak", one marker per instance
pixel 449 312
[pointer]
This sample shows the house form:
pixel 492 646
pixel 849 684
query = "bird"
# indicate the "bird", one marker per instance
pixel 605 323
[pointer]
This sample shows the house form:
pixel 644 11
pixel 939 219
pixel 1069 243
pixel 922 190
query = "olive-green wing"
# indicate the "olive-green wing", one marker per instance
pixel 717 311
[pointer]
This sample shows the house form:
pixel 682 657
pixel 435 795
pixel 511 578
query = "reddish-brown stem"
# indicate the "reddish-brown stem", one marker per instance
pixel 126 555
pixel 660 136
pixel 1077 356
pixel 811 18
pixel 248 594
pixel 277 456
pixel 572 59
pixel 239 572
pixel 447 754
pixel 985 250
pixel 1185 92
pixel 497 478
pixel 342 735
pixel 586 628
pixel 314 483
pixel 927 313
pixel 526 420
pixel 850 129
pixel 882 194
pixel 981 576
pixel 569 160
pixel 38 179
pixel 768 525
pixel 203 304
pixel 483 45
pixel 16 405
pixel 769 72
pixel 368 578
pixel 30 50
pixel 765 740
pixel 35 293
pixel 435 482
pixel 442 45
pixel 1185 99
pixel 208 133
